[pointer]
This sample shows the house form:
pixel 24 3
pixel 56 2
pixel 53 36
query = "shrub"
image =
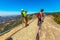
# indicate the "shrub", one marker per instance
pixel 57 17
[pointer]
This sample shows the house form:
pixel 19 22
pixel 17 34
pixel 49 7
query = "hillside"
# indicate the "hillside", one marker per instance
pixel 56 16
pixel 11 22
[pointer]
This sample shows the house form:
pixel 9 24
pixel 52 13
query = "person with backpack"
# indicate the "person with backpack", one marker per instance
pixel 39 16
pixel 24 15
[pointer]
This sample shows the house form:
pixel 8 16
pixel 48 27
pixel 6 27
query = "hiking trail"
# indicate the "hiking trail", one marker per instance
pixel 50 31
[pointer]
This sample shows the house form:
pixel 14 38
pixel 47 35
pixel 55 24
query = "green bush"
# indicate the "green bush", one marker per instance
pixel 57 17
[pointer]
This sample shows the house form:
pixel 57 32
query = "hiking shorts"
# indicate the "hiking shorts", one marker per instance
pixel 25 19
pixel 39 21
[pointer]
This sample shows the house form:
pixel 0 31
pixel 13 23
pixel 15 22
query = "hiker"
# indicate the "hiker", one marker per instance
pixel 39 16
pixel 43 16
pixel 24 15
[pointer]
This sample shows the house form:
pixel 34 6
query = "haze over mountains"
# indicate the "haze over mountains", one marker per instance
pixel 4 19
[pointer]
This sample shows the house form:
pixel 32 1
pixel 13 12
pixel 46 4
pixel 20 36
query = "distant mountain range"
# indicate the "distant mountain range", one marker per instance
pixel 4 19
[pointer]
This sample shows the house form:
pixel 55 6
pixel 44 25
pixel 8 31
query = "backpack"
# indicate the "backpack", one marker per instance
pixel 24 14
pixel 39 15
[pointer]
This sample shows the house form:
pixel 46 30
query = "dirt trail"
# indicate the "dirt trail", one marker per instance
pixel 49 31
pixel 28 33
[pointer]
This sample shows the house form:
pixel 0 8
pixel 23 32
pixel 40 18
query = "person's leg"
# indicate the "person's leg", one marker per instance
pixel 42 19
pixel 23 22
pixel 40 23
pixel 26 22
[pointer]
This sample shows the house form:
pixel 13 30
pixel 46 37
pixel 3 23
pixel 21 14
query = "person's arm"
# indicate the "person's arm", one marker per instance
pixel 41 14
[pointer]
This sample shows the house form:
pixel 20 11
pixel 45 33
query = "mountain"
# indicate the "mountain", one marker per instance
pixel 4 19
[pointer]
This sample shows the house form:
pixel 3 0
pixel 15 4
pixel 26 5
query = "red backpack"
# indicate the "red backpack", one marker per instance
pixel 39 15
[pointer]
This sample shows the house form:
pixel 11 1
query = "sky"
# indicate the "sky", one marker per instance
pixel 13 7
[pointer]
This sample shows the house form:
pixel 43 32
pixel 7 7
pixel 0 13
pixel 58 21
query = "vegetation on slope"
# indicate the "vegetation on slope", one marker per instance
pixel 56 16
pixel 7 27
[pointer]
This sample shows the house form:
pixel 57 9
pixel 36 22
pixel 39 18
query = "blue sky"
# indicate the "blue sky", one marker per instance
pixel 13 7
